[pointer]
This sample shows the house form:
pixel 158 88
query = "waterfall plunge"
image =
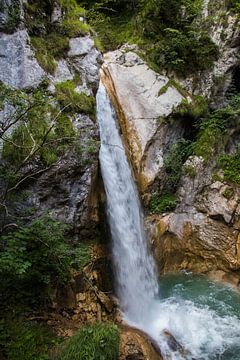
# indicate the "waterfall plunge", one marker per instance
pixel 137 282
pixel 199 329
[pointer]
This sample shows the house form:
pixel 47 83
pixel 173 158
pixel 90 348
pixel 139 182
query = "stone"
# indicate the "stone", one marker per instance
pixel 135 91
pixel 136 345
pixel 81 297
pixel 192 241
pixel 105 301
pixel 21 70
pixel 62 72
pixel 80 46
pixel 56 15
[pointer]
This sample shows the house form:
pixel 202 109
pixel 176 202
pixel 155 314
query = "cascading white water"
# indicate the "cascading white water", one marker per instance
pixel 137 282
pixel 202 331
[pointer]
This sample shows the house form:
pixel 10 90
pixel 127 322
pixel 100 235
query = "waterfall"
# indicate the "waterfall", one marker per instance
pixel 204 333
pixel 137 284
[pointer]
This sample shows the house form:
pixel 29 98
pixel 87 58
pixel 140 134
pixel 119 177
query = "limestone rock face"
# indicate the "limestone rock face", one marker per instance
pixel 19 68
pixel 193 241
pixel 67 188
pixel 225 32
pixel 136 92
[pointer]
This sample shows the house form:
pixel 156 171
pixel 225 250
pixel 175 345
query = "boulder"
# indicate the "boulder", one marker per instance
pixel 136 345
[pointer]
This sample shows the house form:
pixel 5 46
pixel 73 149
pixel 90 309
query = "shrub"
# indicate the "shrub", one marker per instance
pixel 163 203
pixel 25 341
pixel 97 342
pixel 13 15
pixel 36 135
pixel 185 52
pixel 35 259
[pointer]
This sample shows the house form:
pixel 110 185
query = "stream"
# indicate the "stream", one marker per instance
pixel 188 316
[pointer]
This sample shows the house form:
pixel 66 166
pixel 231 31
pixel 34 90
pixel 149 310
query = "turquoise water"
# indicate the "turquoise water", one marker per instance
pixel 203 316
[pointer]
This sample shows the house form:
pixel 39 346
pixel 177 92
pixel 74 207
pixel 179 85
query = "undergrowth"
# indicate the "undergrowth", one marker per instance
pixel 97 342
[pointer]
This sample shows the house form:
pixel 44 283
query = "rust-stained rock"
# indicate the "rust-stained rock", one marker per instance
pixel 135 90
pixel 193 241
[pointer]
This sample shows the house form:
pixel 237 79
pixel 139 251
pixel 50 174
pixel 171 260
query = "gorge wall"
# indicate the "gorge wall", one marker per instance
pixel 156 113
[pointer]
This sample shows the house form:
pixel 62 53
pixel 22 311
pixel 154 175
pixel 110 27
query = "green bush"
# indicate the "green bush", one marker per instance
pixel 163 203
pixel 35 259
pixel 25 341
pixel 185 52
pixel 93 342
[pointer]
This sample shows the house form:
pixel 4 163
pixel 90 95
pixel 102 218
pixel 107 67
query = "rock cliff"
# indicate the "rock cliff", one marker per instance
pixel 202 234
pixel 65 186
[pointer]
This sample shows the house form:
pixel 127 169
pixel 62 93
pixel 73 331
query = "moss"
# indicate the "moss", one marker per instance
pixel 98 341
pixel 190 171
pixel 172 83
pixel 163 203
pixel 68 97
pixel 49 48
pixel 228 193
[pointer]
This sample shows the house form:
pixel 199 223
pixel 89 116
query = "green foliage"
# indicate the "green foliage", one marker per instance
pixel 163 203
pixel 165 30
pixel 13 15
pixel 25 341
pixel 235 6
pixel 212 129
pixel 51 40
pixel 194 110
pixel 68 97
pixel 36 258
pixel 174 161
pixel 185 52
pixel 231 166
pixel 36 137
pixel 97 342
pixel 228 193
pixel 174 84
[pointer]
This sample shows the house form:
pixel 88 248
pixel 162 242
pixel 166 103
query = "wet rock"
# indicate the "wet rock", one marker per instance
pixel 135 345
pixel 225 277
pixel 193 241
